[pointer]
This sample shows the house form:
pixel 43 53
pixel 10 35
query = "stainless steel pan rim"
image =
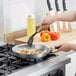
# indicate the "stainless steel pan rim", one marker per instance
pixel 17 50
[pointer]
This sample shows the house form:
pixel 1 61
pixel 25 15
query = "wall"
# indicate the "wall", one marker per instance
pixel 1 20
pixel 15 14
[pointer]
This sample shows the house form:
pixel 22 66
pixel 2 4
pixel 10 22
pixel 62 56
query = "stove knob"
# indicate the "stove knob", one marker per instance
pixel 60 73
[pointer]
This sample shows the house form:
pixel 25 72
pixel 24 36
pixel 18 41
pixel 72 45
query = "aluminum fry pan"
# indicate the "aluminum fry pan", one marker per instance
pixel 17 50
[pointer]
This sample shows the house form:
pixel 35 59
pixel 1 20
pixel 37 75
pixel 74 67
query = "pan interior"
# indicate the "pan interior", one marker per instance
pixel 18 48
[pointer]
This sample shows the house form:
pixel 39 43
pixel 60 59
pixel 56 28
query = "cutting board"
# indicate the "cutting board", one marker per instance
pixel 69 37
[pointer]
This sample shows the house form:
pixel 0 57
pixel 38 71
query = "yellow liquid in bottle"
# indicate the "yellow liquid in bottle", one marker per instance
pixel 31 26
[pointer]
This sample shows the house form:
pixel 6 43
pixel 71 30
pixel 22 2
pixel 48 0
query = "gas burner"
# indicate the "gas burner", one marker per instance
pixel 9 62
pixel 2 65
pixel 2 73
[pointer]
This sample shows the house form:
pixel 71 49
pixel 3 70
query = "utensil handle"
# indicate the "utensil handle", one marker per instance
pixel 56 5
pixel 57 47
pixel 49 5
pixel 39 29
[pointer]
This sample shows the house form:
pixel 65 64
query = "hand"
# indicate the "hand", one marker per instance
pixel 65 47
pixel 48 20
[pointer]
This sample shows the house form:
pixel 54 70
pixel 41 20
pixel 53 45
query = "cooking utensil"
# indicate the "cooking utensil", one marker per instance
pixel 45 51
pixel 30 40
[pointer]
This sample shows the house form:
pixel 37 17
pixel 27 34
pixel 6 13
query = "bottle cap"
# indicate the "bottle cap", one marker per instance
pixel 32 15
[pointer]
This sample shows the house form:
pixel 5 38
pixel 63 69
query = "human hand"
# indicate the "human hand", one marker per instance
pixel 48 20
pixel 65 47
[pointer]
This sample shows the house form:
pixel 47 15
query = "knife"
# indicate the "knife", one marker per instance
pixel 56 5
pixel 57 12
pixel 49 5
pixel 65 9
pixel 64 5
pixel 51 28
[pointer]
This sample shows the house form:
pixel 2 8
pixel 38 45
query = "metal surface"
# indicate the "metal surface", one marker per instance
pixel 45 50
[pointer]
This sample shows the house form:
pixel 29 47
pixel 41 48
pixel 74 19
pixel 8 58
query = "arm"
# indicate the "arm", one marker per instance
pixel 73 47
pixel 66 16
pixel 67 47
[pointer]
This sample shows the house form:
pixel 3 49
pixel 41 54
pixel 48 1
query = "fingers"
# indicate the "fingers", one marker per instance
pixel 44 23
pixel 61 49
pixel 64 47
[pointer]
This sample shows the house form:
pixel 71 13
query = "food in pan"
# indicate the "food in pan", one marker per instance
pixel 31 51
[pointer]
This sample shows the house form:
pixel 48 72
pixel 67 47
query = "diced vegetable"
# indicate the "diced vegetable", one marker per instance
pixel 31 51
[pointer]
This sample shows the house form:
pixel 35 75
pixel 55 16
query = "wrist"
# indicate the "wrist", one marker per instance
pixel 55 18
pixel 72 47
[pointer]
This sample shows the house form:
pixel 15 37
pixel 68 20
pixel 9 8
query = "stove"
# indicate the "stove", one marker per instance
pixel 10 63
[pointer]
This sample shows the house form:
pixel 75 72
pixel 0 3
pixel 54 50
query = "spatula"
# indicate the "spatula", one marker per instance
pixel 30 40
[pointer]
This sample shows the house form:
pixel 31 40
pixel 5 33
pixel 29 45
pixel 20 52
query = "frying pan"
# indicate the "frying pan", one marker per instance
pixel 45 51
pixel 17 50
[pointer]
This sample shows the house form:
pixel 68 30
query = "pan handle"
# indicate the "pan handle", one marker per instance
pixel 57 47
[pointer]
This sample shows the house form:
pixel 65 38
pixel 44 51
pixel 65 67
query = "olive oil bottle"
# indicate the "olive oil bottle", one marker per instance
pixel 31 23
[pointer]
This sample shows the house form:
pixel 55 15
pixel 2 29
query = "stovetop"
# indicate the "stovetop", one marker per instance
pixel 10 63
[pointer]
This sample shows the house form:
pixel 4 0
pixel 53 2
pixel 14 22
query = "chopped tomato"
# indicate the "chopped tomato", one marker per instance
pixel 31 51
pixel 23 51
pixel 26 51
pixel 37 50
